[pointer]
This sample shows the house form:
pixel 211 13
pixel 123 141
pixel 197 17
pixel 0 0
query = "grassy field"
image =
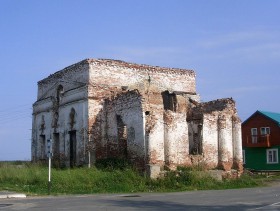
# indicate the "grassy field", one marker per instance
pixel 33 180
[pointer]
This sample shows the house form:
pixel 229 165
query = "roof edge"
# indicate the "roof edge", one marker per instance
pixel 263 114
pixel 57 73
pixel 132 65
pixel 112 62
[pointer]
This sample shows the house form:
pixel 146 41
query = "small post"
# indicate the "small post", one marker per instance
pixel 50 161
pixel 49 180
pixel 89 159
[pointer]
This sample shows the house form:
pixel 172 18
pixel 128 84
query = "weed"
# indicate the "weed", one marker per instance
pixel 111 176
pixel 113 164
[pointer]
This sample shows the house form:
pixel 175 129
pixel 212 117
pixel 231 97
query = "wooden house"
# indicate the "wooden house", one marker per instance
pixel 261 141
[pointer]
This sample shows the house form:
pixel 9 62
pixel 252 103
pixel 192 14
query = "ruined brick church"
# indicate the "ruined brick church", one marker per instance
pixel 101 108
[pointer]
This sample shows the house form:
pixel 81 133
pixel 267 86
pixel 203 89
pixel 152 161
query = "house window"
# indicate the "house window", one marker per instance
pixel 254 134
pixel 265 130
pixel 272 156
pixel 243 153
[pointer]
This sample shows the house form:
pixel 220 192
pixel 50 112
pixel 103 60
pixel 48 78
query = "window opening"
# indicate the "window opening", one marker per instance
pixel 55 120
pixel 265 130
pixel 254 134
pixel 72 118
pixel 169 101
pixel 59 92
pixel 42 125
pixel 272 156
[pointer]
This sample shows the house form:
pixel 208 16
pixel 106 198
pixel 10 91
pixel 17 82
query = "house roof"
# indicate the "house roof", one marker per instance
pixel 271 115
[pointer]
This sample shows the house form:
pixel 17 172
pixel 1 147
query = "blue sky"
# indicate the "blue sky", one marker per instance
pixel 233 45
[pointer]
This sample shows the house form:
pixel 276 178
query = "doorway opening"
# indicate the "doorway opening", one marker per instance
pixel 73 146
pixel 43 147
pixel 56 149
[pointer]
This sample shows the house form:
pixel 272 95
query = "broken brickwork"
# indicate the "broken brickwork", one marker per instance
pixel 218 128
pixel 100 108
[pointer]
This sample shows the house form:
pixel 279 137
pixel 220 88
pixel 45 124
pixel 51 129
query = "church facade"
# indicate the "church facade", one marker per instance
pixel 150 115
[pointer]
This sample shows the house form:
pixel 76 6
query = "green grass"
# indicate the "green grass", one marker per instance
pixel 33 180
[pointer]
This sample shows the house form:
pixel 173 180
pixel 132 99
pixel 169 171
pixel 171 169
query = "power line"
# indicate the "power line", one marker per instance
pixel 14 114
pixel 15 107
pixel 13 119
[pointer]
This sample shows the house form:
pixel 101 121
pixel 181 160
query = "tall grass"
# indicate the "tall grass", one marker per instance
pixel 33 179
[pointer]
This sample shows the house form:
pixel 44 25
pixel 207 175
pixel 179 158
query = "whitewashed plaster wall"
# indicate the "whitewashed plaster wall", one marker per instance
pixel 176 139
pixel 70 77
pixel 72 99
pixel 210 139
pixel 154 136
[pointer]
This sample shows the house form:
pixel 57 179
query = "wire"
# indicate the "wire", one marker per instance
pixel 14 108
pixel 14 119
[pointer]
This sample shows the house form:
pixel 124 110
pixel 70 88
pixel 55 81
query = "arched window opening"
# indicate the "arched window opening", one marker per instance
pixel 72 117
pixel 55 120
pixel 42 125
pixel 59 93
